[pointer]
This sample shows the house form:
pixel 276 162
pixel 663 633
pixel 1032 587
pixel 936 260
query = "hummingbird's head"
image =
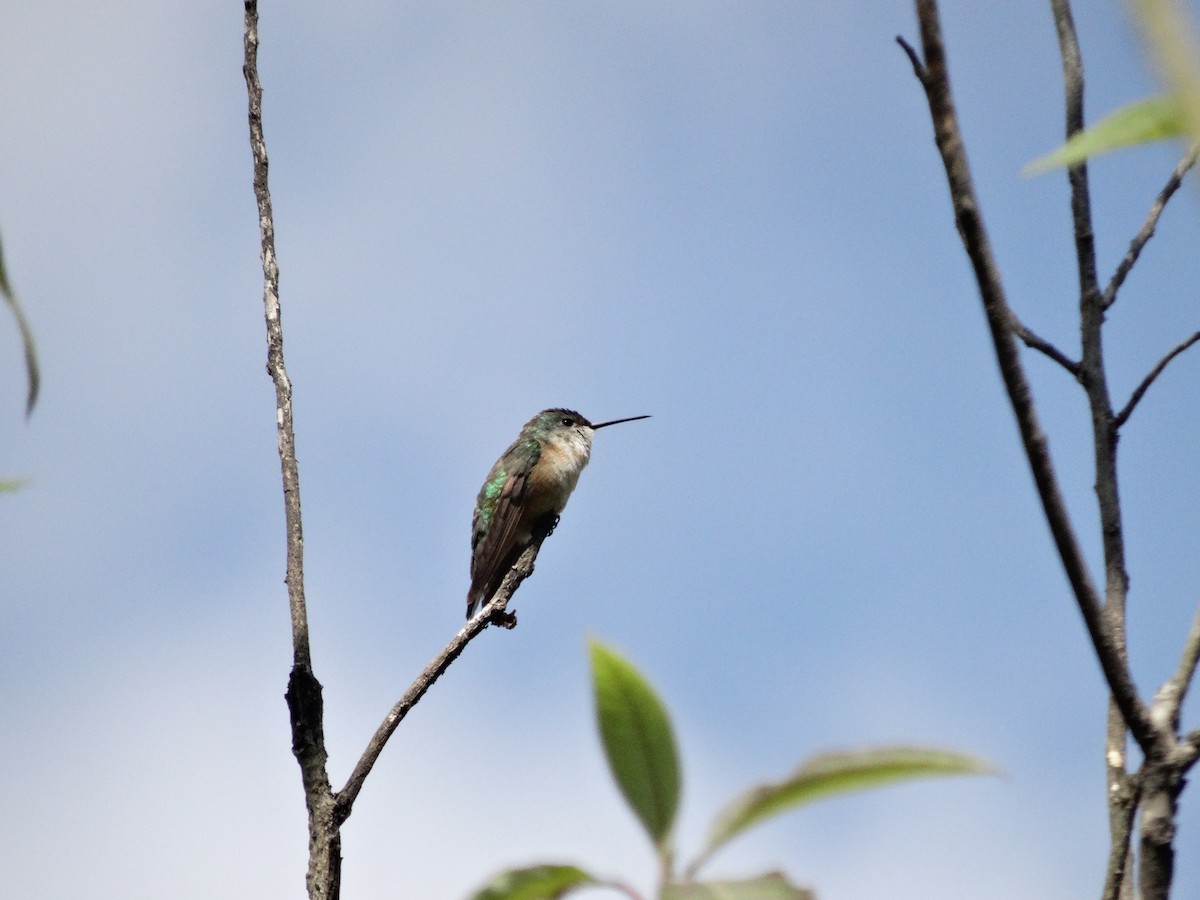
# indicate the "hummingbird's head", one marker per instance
pixel 562 425
pixel 568 432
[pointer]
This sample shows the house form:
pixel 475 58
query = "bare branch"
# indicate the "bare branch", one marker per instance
pixel 1033 342
pixel 934 77
pixel 1147 230
pixel 1123 416
pixel 304 700
pixel 494 613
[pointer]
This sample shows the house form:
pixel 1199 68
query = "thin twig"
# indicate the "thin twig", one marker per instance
pixel 934 78
pixel 1123 416
pixel 275 364
pixel 1034 342
pixel 494 613
pixel 1147 230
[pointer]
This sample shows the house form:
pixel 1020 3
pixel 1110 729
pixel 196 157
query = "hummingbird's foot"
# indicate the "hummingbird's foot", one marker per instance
pixel 553 524
pixel 503 619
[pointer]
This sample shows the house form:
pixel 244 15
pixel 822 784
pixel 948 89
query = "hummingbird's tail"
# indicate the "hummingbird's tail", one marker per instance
pixel 478 596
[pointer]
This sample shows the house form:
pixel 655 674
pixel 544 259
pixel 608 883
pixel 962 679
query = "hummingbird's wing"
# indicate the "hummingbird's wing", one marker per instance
pixel 499 513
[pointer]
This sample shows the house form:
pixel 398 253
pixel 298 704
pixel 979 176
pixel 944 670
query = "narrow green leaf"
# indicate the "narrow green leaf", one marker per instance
pixel 1170 36
pixel 636 732
pixel 535 883
pixel 14 484
pixel 1141 122
pixel 766 887
pixel 830 774
pixel 32 373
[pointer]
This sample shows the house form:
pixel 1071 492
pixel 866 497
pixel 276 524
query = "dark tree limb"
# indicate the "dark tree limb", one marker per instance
pixel 1147 230
pixel 931 72
pixel 1127 410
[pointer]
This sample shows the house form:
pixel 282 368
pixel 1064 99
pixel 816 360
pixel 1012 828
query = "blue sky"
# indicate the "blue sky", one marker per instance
pixel 728 216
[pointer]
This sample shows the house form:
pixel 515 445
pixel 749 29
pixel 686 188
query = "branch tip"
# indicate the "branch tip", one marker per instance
pixel 1123 416
pixel 913 57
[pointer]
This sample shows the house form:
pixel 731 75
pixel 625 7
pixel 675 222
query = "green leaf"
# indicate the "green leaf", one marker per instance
pixel 830 774
pixel 638 742
pixel 766 887
pixel 1152 119
pixel 1170 39
pixel 12 485
pixel 535 883
pixel 31 364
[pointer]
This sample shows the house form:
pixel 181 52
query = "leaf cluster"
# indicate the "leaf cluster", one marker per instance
pixel 639 744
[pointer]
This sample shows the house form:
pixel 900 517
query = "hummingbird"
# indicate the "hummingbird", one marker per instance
pixel 525 491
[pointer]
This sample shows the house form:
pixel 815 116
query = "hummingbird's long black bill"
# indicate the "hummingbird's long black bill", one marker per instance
pixel 619 421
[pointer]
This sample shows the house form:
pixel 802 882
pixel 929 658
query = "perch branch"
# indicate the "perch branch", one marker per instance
pixel 494 613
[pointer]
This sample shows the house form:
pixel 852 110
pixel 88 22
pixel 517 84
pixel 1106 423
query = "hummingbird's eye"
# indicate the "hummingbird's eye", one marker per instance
pixel 566 420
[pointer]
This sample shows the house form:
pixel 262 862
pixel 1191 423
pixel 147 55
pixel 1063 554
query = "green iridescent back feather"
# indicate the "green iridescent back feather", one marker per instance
pixel 498 512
